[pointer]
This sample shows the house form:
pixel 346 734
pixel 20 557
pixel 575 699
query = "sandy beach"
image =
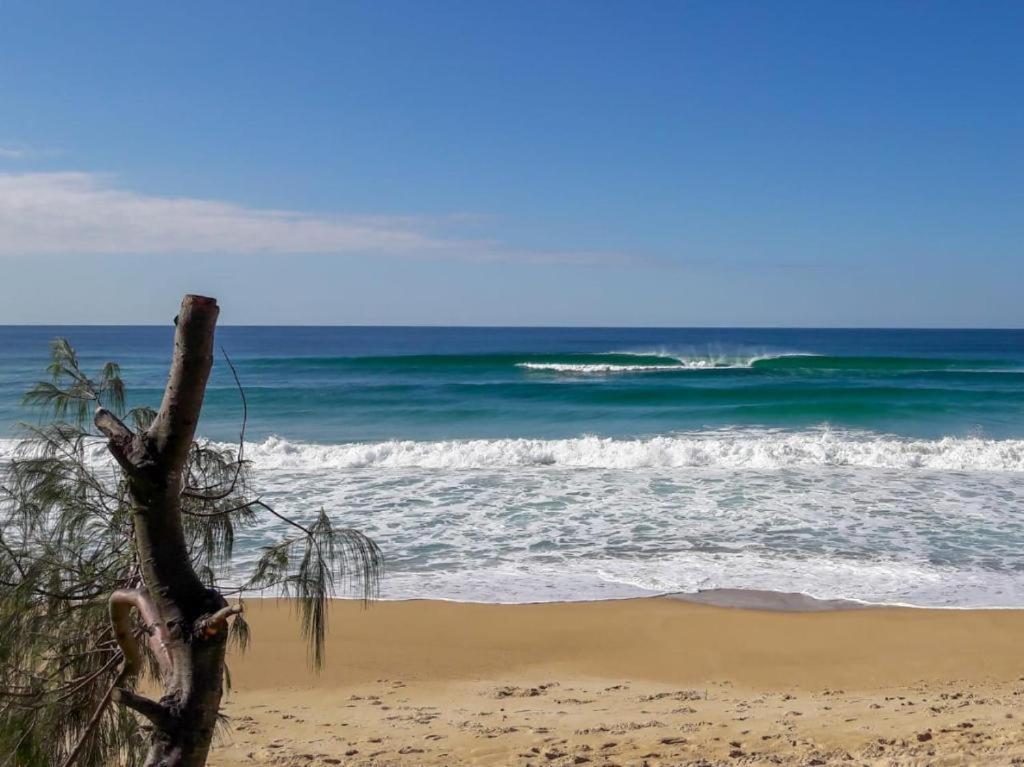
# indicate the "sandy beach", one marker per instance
pixel 635 682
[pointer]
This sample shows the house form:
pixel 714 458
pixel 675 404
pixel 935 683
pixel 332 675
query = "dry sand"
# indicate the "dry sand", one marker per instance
pixel 634 682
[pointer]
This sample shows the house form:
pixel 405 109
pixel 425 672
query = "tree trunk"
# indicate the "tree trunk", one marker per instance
pixel 186 622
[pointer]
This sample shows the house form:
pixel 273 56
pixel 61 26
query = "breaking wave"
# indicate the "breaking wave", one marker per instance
pixel 659 362
pixel 648 362
pixel 731 449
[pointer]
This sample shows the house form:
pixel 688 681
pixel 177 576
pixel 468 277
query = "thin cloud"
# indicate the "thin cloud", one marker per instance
pixel 18 151
pixel 86 213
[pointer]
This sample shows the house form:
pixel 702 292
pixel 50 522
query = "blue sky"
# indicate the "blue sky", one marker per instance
pixel 576 163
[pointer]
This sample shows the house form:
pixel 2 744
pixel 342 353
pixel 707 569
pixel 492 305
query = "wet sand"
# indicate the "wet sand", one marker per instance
pixel 648 681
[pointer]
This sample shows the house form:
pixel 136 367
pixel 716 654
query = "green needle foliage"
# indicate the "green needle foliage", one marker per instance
pixel 67 542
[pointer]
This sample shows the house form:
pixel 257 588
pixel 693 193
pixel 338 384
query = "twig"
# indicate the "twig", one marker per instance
pixel 95 718
pixel 220 512
pixel 201 494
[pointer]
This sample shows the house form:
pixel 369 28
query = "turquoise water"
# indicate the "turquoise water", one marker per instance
pixel 506 464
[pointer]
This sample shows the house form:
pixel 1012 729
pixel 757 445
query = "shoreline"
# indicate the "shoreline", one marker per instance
pixel 423 682
pixel 774 601
pixel 766 600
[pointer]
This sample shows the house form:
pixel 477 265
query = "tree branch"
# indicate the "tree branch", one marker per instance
pixel 212 625
pixel 174 427
pixel 120 439
pixel 121 603
pixel 155 712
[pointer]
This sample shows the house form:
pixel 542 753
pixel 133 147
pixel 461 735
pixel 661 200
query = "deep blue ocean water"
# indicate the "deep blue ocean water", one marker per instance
pixel 341 383
pixel 510 464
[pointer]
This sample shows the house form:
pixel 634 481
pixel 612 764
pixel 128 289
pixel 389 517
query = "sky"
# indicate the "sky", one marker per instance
pixel 715 163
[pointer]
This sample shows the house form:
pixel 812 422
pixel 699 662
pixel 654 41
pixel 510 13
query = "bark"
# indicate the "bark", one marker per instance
pixel 186 622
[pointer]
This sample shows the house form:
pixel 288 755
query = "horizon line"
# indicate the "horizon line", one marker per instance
pixel 521 327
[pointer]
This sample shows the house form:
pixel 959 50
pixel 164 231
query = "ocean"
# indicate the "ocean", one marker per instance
pixel 538 464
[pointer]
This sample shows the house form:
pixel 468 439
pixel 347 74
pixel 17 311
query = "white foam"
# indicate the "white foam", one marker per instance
pixel 595 369
pixel 678 363
pixel 731 449
pixel 834 514
pixel 879 582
